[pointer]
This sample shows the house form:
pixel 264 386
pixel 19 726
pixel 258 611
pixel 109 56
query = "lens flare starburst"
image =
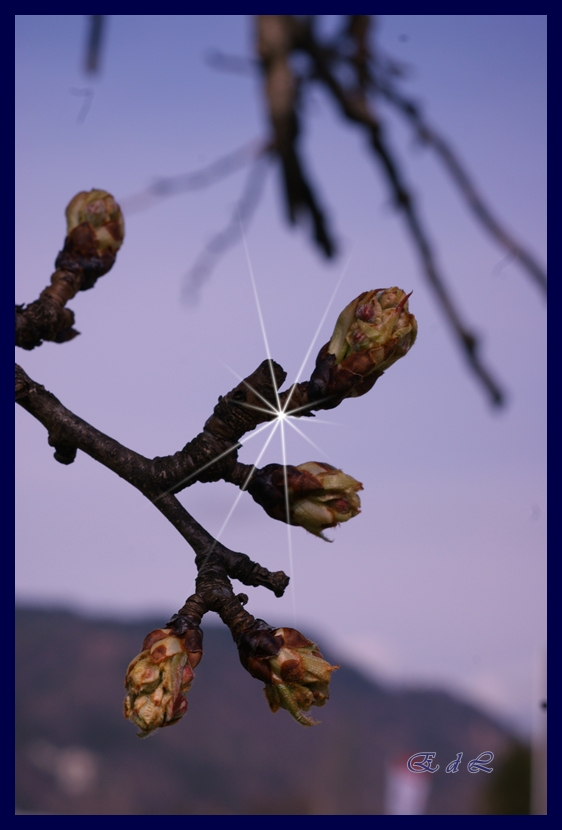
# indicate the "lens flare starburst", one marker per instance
pixel 281 415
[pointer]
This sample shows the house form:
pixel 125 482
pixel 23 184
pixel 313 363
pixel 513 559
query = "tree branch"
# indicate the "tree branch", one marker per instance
pixel 68 432
pixel 460 176
pixel 95 233
pixel 158 678
pixel 222 241
pixel 275 40
pixel 95 41
pixel 197 180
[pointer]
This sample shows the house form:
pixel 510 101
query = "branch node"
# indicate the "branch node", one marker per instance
pixel 64 454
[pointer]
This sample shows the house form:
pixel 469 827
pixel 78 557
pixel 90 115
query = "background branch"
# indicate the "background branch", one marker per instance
pixel 222 241
pixel 197 180
pixel 459 174
pixel 275 41
pixel 278 39
pixel 96 28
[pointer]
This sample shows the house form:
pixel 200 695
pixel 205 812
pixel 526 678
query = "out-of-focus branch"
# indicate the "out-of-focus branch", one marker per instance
pixel 222 241
pixel 357 30
pixel 96 26
pixel 197 180
pixel 254 153
pixel 230 63
pixel 460 176
pixel 355 109
pixel 275 41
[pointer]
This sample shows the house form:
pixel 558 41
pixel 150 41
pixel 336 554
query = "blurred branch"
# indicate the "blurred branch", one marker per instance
pixel 230 63
pixel 197 180
pixel 96 27
pixel 350 54
pixel 460 176
pixel 222 241
pixel 275 41
pixel 356 29
pixel 88 95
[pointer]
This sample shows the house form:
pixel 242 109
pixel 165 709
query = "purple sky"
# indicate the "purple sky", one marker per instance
pixel 441 579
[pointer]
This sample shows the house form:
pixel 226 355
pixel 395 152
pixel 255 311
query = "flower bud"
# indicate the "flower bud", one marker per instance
pixel 371 333
pixel 334 501
pixel 296 677
pixel 158 679
pixel 376 321
pixel 320 496
pixel 95 232
pixel 99 210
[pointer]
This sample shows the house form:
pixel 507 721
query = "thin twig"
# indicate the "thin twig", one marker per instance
pixel 460 176
pixel 197 180
pixel 225 239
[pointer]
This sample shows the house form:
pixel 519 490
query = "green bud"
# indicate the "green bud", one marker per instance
pixel 157 681
pixel 300 676
pixel 334 501
pixel 101 212
pixel 319 495
pixel 372 333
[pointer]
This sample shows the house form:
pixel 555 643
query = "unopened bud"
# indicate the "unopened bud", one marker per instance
pixel 371 333
pixel 319 496
pixel 295 674
pixel 158 679
pixel 374 331
pixel 334 501
pixel 98 209
pixel 95 232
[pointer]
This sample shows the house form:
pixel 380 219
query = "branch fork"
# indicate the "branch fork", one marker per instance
pixel 314 496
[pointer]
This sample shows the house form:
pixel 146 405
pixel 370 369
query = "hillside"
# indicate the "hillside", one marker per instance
pixel 77 755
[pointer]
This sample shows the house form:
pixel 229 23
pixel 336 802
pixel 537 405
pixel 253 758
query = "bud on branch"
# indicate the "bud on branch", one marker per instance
pixel 296 675
pixel 95 232
pixel 318 496
pixel 371 333
pixel 159 677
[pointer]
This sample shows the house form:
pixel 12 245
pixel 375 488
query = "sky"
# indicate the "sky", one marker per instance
pixel 441 579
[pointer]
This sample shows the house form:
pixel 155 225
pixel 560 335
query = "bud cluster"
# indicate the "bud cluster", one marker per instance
pixel 158 678
pixel 378 324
